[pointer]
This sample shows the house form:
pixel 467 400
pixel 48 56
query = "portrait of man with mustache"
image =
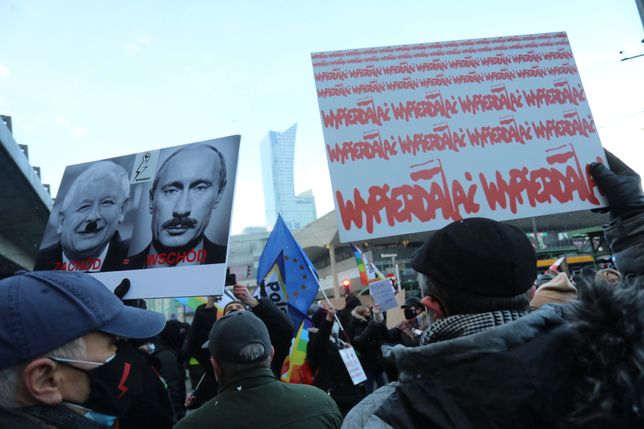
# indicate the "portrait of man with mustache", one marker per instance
pixel 186 189
pixel 92 209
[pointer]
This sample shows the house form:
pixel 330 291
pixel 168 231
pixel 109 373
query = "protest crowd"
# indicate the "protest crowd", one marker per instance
pixel 489 344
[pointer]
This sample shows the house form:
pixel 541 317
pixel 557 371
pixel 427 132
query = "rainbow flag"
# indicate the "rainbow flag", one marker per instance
pixel 297 356
pixel 368 271
pixel 192 301
pixel 195 301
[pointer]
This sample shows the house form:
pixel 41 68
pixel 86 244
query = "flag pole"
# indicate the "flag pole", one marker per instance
pixel 335 316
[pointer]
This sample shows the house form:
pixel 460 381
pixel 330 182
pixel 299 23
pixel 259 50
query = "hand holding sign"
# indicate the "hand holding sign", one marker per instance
pixel 621 185
pixel 383 294
pixel 377 314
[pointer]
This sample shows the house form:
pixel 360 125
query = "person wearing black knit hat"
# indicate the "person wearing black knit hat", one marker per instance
pixel 475 283
pixel 485 362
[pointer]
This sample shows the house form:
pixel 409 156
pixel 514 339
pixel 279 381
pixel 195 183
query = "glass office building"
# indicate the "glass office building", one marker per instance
pixel 277 153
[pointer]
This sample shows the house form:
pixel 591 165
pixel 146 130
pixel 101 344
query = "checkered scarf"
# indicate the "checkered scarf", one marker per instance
pixel 461 325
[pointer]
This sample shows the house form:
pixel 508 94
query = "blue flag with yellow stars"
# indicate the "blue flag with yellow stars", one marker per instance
pixel 299 275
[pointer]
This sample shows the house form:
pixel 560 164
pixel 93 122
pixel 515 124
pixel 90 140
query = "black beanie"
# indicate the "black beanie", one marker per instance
pixel 479 256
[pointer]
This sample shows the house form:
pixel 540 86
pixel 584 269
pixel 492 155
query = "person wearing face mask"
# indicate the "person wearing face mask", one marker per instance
pixel 60 362
pixel 408 331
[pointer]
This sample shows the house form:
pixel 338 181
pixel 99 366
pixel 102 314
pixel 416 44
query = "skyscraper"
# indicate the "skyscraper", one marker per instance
pixel 277 152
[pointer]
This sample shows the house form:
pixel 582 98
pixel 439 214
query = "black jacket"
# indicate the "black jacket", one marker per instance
pixel 174 374
pixel 367 338
pixel 562 366
pixel 202 322
pixel 329 371
pixel 151 407
pixel 398 335
pixel 280 331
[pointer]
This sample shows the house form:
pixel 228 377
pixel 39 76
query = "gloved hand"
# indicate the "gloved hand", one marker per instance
pixel 621 185
pixel 122 289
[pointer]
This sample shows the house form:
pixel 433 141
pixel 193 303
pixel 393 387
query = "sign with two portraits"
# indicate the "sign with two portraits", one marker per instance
pixel 160 218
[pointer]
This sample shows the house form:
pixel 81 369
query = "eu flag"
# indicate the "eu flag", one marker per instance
pixel 300 276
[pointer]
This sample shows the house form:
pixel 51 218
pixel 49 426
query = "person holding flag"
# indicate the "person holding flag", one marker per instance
pixel 323 354
pixel 279 326
pixel 293 279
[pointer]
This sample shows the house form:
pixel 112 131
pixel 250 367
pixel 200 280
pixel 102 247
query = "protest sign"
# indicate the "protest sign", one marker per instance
pixel 352 363
pixel 418 136
pixel 383 294
pixel 160 218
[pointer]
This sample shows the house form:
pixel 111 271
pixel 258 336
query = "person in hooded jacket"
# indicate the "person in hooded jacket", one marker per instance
pixel 485 362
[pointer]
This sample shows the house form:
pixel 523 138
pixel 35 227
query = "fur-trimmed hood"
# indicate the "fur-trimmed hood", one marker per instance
pixel 567 366
pixel 608 350
pixel 357 315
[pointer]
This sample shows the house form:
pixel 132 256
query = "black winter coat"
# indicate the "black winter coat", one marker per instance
pixel 198 334
pixel 174 374
pixel 367 338
pixel 280 331
pixel 329 371
pixel 563 366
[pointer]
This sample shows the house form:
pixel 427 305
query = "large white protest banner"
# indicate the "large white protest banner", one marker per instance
pixel 418 136
pixel 160 218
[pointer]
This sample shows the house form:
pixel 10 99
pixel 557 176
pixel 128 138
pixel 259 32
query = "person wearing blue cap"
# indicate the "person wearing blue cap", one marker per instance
pixel 59 361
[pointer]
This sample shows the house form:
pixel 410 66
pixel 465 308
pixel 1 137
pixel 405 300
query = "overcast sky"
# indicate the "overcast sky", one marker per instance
pixel 86 80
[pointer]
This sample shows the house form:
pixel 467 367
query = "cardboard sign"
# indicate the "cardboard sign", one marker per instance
pixel 160 218
pixel 352 363
pixel 418 136
pixel 383 294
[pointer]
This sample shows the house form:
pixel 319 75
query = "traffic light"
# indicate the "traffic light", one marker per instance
pixel 346 284
pixel 392 279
